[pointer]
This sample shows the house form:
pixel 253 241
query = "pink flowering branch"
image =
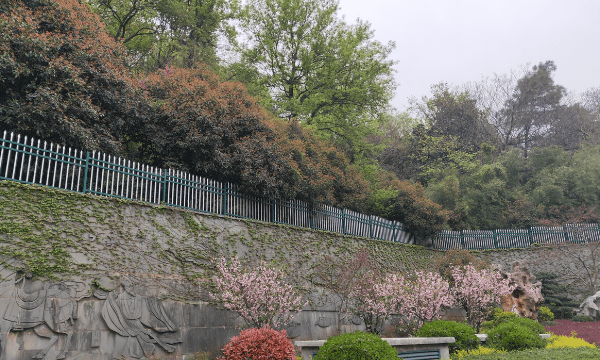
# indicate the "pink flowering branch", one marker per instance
pixel 260 296
pixel 478 291
pixel 422 297
pixel 373 301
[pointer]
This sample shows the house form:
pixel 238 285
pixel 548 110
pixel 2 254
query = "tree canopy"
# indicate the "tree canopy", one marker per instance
pixel 331 76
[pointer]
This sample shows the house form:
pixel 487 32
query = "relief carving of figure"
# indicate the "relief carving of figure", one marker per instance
pixel 133 317
pixel 49 311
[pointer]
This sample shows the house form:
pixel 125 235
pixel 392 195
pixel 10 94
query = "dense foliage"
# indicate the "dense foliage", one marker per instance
pixel 259 343
pixel 513 337
pixel 356 346
pixel 555 298
pixel 66 80
pixel 463 334
pixel 297 107
pixel 532 325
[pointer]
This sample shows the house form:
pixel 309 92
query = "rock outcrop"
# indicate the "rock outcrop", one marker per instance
pixel 526 298
pixel 589 306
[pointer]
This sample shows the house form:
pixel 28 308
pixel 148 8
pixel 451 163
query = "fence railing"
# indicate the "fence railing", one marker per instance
pixel 515 238
pixel 33 162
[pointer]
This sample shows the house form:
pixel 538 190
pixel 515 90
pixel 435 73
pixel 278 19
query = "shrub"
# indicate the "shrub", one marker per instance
pixel 479 351
pixel 545 314
pixel 510 336
pixel 264 343
pixel 462 333
pixel 582 318
pixel 508 317
pixel 556 296
pixel 355 346
pixel 563 341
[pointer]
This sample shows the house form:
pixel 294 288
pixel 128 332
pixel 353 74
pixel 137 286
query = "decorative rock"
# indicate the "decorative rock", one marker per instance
pixel 589 306
pixel 527 298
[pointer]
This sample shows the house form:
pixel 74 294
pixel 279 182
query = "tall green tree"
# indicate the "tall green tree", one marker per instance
pixel 456 114
pixel 162 33
pixel 534 104
pixel 329 75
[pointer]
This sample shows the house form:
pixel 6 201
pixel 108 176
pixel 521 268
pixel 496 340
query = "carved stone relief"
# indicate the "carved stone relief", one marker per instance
pixel 49 311
pixel 137 320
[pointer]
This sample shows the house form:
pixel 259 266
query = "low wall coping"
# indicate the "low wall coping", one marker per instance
pixel 391 341
pixel 483 337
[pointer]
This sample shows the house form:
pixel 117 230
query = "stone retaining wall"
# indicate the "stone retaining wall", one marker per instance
pixel 102 268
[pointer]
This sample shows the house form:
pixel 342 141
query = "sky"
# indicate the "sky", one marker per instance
pixel 458 41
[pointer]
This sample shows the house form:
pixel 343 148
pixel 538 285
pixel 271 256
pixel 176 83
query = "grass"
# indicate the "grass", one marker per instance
pixel 581 353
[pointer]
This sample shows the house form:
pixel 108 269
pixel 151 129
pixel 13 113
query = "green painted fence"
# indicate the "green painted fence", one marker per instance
pixel 35 162
pixel 517 238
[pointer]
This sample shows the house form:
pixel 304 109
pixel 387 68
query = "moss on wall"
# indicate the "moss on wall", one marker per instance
pixel 56 234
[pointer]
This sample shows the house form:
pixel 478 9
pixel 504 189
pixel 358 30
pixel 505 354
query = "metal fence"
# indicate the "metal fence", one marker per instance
pixel 515 238
pixel 33 162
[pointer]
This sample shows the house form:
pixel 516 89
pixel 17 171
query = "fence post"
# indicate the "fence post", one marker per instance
pixel 394 232
pixel 370 227
pixel 311 216
pixel 164 187
pixel 495 239
pixel 224 193
pixel 272 208
pixel 462 239
pixel 85 173
pixel 566 233
pixel 344 221
pixel 530 236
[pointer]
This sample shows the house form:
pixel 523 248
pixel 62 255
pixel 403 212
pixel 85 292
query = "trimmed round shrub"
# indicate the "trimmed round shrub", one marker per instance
pixel 462 333
pixel 533 325
pixel 259 343
pixel 506 318
pixel 545 314
pixel 356 346
pixel 510 337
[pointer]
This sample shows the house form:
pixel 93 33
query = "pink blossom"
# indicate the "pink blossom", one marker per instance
pixel 260 296
pixel 478 291
pixel 422 297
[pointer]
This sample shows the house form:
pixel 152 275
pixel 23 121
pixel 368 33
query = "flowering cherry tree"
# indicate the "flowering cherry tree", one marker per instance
pixel 260 296
pixel 422 297
pixel 478 291
pixel 373 300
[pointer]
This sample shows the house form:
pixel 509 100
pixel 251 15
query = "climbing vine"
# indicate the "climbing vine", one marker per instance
pixel 55 234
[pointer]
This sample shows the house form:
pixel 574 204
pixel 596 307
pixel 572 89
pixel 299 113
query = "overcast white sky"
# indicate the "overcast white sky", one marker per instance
pixel 458 41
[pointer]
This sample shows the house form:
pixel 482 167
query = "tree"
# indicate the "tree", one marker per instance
pixel 343 278
pixel 260 296
pixel 373 300
pixel 420 216
pixel 169 32
pixel 331 76
pixel 449 113
pixel 421 298
pixel 478 291
pixel 64 79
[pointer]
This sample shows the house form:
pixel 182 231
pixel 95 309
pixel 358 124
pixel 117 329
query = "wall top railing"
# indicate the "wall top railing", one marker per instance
pixel 32 161
pixel 35 162
pixel 517 238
